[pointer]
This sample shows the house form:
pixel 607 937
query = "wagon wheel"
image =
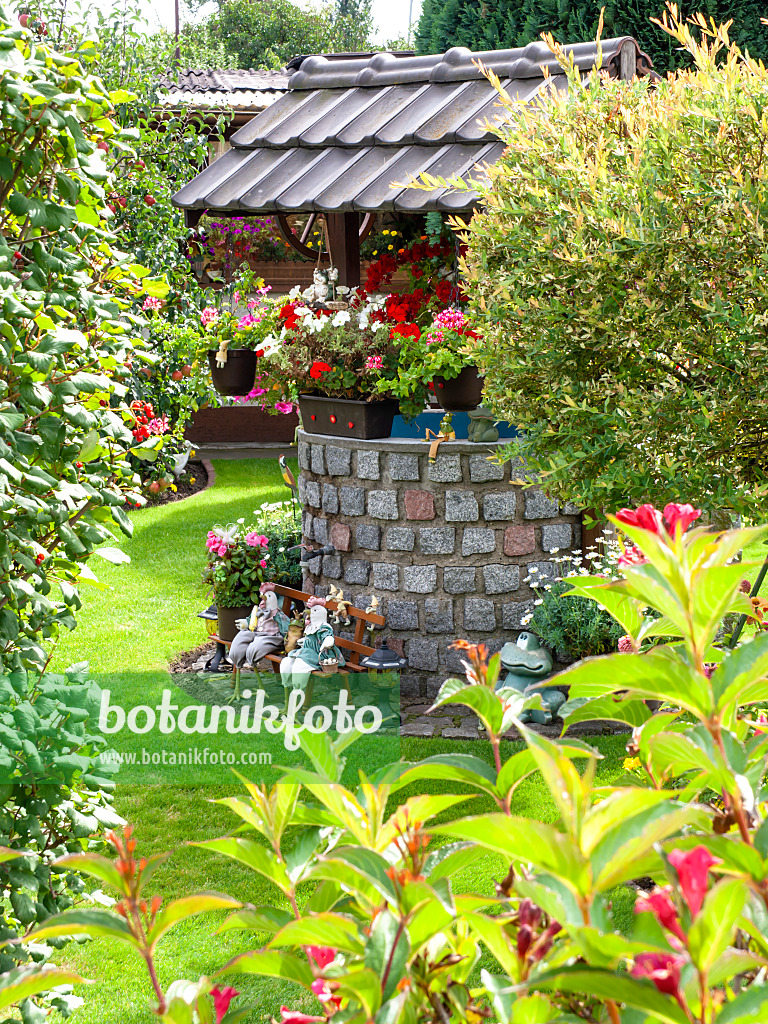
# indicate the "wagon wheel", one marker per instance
pixel 297 234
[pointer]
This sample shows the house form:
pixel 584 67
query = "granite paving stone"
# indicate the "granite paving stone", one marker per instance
pixel 304 456
pixel 338 460
pixel 539 506
pixel 519 540
pixel 317 459
pixel 501 579
pixel 320 528
pixel 422 656
pixel 499 505
pixel 352 501
pixel 514 614
pixel 482 470
pixel 341 536
pixel 400 538
pixel 368 536
pixel 382 504
pixel 330 498
pixel 356 571
pixel 437 540
pixel 459 579
pixel 419 505
pixel 386 576
pixel 332 566
pixel 461 507
pixel 478 540
pixel 420 579
pixel 556 535
pixel 402 614
pixel 368 466
pixel 479 615
pixel 446 469
pixel 438 615
pixel 403 466
pixel 312 493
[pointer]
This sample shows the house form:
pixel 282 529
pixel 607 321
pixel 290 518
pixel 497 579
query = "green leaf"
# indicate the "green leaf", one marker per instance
pixel 363 987
pixel 620 988
pixel 29 980
pixel 95 865
pixel 483 701
pixel 257 919
pixel 464 768
pixel 95 923
pixel 712 930
pixel 612 708
pixel 271 963
pixel 254 856
pixel 387 951
pixel 321 930
pixel 749 1006
pixel 186 907
pixel 113 555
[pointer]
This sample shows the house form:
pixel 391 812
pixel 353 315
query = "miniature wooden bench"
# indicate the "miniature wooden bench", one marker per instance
pixel 356 648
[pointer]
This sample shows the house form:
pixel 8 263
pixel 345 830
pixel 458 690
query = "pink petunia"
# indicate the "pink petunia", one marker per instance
pixel 284 407
pixel 209 314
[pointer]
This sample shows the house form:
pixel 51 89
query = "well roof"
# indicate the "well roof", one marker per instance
pixel 345 130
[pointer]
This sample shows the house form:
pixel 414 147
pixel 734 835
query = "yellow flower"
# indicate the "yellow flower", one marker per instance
pixel 393 233
pixel 390 247
pixel 193 479
pixel 174 487
pixel 385 232
pixel 630 763
pixel 192 453
pixel 375 252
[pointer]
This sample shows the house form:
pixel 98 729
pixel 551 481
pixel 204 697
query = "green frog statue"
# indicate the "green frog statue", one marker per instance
pixel 527 662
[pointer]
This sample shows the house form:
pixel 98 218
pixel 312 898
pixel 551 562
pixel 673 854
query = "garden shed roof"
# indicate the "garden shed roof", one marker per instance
pixel 247 89
pixel 346 130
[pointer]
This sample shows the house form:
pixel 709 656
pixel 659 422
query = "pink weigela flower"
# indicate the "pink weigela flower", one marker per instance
pixel 693 868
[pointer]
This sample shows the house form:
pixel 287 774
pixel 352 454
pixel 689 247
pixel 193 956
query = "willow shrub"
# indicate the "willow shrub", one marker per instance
pixel 618 270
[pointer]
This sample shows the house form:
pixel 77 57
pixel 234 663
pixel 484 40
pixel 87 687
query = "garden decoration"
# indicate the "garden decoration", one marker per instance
pixel 315 651
pixel 445 433
pixel 263 633
pixel 237 560
pixel 527 663
pixel 340 616
pixel 482 426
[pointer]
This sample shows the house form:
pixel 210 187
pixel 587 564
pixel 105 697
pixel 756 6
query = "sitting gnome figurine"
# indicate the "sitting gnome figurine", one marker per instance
pixel 527 663
pixel 316 648
pixel 262 634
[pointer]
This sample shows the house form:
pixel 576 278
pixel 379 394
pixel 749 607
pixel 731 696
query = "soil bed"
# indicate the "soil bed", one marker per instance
pixel 185 488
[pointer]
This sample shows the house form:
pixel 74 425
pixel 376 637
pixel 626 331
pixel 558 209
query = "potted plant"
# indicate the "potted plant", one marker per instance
pixel 438 358
pixel 335 364
pixel 239 339
pixel 237 560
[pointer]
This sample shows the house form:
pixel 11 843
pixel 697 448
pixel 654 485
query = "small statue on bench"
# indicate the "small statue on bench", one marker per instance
pixel 316 651
pixel 262 634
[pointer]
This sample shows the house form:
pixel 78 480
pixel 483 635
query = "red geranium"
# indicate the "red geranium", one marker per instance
pixel 317 369
pixel 406 331
pixel 288 314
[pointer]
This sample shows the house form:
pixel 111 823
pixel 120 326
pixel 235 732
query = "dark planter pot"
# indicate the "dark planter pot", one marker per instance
pixel 227 628
pixel 462 393
pixel 346 417
pixel 240 424
pixel 237 375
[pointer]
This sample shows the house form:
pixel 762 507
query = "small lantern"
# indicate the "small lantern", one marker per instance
pixel 384 660
pixel 211 617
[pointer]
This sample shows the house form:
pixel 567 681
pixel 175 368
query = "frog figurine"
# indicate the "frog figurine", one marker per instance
pixel 528 662
pixel 482 427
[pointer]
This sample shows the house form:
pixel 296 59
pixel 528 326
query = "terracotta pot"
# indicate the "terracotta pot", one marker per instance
pixel 347 417
pixel 227 628
pixel 462 393
pixel 237 375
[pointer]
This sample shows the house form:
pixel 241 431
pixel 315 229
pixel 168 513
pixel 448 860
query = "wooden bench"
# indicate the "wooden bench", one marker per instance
pixel 354 649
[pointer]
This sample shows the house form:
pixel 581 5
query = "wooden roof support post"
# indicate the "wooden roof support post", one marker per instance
pixel 344 245
pixel 628 60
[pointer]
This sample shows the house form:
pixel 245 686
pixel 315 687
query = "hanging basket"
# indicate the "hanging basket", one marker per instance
pixel 460 394
pixel 236 376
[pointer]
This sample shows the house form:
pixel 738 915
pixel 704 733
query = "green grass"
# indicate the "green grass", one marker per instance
pixel 129 634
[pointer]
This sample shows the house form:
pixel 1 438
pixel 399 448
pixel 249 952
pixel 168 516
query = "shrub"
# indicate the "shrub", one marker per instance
pixel 385 933
pixel 55 786
pixel 618 277
pixel 67 332
pixel 575 625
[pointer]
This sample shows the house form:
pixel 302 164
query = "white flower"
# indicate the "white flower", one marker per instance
pixel 340 318
pixel 538 601
pixel 294 292
pixel 377 326
pixel 241 521
pixel 554 551
pixel 343 289
pixel 533 570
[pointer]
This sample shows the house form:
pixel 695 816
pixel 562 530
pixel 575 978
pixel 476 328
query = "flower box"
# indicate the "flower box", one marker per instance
pixel 347 417
pixel 243 424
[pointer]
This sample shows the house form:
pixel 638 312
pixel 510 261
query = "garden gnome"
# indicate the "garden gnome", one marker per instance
pixel 314 650
pixel 262 634
pixel 528 662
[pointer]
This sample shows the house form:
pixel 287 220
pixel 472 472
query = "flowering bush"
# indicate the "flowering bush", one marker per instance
pixel 237 560
pixel 234 240
pixel 347 353
pixel 442 349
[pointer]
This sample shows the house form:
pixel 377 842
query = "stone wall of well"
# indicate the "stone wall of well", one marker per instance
pixel 446 546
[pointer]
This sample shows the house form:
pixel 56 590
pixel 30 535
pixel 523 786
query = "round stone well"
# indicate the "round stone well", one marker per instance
pixel 446 546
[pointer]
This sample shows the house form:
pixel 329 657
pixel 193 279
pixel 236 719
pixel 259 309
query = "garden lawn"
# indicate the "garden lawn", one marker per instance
pixel 129 634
